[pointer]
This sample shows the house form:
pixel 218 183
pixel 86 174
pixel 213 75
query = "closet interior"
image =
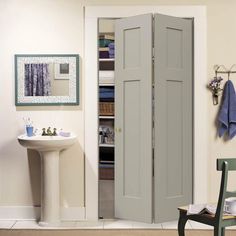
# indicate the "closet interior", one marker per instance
pixel 106 52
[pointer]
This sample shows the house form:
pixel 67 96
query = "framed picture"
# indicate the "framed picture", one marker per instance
pixel 46 79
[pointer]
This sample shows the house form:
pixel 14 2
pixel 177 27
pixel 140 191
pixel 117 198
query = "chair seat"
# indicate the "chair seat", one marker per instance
pixel 225 217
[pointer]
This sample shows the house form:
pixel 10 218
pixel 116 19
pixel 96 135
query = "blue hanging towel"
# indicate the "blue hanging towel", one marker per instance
pixel 227 114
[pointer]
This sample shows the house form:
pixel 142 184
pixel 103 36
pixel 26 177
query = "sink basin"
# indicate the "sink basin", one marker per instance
pixel 49 148
pixel 46 143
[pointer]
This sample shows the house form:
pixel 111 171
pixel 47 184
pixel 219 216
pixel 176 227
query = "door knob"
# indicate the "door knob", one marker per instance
pixel 118 130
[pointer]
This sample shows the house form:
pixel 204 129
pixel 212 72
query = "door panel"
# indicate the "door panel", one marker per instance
pixel 173 115
pixel 132 178
pixel 133 118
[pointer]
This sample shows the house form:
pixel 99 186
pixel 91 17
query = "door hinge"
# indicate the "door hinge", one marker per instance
pixel 153 163
pixel 153 118
pixel 153 138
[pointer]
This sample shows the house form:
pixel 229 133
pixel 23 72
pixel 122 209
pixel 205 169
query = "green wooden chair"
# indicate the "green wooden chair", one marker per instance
pixel 218 221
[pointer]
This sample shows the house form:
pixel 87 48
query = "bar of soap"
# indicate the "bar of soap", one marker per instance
pixel 64 134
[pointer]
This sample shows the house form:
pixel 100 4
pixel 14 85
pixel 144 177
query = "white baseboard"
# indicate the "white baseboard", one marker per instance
pixel 33 213
pixel 72 213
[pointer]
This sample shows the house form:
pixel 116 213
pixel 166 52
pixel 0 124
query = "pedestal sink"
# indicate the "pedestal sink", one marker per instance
pixel 49 148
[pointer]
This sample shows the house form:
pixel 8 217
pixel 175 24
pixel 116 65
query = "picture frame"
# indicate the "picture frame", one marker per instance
pixel 46 79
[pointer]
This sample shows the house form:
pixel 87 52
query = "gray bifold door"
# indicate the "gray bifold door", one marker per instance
pixel 139 124
pixel 173 115
pixel 133 118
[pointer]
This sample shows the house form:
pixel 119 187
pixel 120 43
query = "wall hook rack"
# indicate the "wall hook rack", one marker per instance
pixel 214 84
pixel 221 69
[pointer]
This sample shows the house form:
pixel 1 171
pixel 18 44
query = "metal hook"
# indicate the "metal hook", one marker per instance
pixel 216 67
pixel 230 69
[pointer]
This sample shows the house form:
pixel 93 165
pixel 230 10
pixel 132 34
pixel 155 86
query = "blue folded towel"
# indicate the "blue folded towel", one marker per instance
pixel 111 46
pixel 111 51
pixel 227 114
pixel 106 93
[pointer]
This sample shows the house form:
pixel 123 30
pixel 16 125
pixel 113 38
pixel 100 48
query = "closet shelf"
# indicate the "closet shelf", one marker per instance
pixel 106 59
pixel 106 117
pixel 106 162
pixel 108 84
pixel 107 145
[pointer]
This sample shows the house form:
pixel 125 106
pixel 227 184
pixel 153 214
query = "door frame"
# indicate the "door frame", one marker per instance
pixel 200 116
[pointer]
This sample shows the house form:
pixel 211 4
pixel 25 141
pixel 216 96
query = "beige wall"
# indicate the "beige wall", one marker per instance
pixel 56 26
pixel 39 26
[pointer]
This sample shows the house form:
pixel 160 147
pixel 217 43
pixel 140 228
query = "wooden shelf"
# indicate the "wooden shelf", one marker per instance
pixel 107 117
pixel 107 145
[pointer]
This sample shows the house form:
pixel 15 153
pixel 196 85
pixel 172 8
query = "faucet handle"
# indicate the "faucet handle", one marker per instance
pixel 54 132
pixel 44 132
pixel 49 132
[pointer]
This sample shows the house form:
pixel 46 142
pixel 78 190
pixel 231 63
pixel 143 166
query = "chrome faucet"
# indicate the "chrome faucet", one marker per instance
pixel 49 132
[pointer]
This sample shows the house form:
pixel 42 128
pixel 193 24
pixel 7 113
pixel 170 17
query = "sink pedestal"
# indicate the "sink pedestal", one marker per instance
pixel 49 148
pixel 50 188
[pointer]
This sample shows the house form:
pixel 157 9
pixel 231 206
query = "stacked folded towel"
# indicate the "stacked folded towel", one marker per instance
pixel 105 39
pixel 111 47
pixel 106 94
pixel 104 49
pixel 103 52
